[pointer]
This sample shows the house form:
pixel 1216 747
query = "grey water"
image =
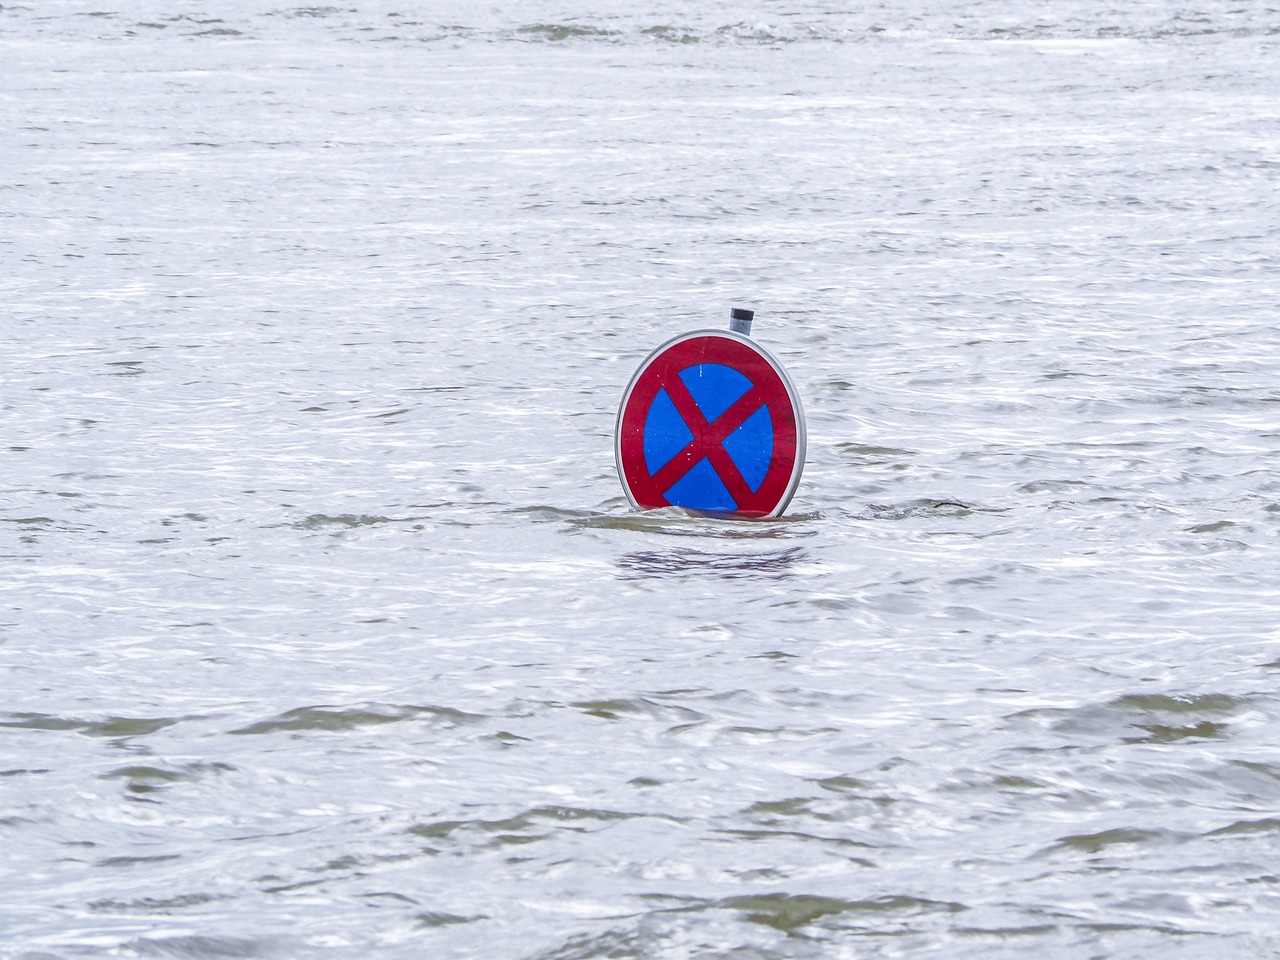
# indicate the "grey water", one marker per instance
pixel 327 631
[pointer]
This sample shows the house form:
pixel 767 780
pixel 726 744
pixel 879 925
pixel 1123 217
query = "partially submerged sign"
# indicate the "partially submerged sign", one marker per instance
pixel 711 422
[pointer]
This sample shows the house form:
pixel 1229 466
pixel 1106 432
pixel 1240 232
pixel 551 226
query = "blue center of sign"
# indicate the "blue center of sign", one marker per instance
pixel 751 447
pixel 665 433
pixel 715 388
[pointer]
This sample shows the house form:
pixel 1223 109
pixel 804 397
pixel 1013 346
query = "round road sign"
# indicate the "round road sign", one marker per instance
pixel 711 422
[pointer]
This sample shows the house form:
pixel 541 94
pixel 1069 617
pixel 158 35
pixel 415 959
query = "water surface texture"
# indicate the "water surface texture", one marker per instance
pixel 326 630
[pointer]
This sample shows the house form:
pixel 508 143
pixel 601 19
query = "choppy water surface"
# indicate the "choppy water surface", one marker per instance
pixel 327 632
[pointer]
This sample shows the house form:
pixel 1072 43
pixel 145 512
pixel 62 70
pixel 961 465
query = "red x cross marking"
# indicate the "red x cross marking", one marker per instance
pixel 708 439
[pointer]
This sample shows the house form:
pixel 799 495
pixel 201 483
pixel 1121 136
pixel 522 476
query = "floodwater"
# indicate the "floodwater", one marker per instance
pixel 327 631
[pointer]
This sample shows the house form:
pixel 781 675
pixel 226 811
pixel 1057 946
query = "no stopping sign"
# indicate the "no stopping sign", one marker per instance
pixel 711 422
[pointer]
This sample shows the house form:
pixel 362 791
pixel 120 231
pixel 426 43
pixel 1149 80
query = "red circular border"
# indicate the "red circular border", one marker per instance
pixel 713 346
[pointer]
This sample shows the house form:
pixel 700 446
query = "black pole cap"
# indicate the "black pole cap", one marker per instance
pixel 740 320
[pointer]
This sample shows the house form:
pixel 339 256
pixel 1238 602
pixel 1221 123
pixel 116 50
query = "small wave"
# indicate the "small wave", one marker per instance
pixel 112 727
pixel 926 507
pixel 556 32
pixel 310 12
pixel 789 912
pixel 1248 828
pixel 141 779
pixel 329 719
pixel 323 521
pixel 157 905
pixel 434 920
pixel 1104 839
pixel 620 709
pixel 199 945
pixel 1162 718
pixel 529 826
pixel 545 513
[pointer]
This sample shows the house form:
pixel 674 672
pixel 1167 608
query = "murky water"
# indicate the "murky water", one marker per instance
pixel 328 632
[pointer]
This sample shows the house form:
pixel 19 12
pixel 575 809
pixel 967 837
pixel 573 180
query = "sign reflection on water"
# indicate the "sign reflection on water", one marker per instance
pixel 771 565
